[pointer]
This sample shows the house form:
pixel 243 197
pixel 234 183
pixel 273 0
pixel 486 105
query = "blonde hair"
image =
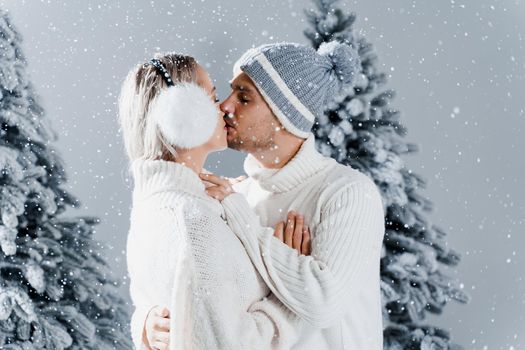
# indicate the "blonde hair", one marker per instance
pixel 142 138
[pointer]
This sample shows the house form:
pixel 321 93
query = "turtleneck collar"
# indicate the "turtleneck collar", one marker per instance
pixel 152 176
pixel 306 163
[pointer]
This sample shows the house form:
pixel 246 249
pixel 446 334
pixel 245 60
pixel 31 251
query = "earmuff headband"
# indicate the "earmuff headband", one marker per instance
pixel 184 113
pixel 162 70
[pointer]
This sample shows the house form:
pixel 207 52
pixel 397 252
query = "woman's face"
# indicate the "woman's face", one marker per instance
pixel 218 140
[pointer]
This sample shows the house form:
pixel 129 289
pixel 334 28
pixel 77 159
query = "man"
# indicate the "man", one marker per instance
pixel 277 91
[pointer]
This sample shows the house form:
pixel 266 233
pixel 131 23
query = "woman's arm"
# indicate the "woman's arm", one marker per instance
pixel 141 308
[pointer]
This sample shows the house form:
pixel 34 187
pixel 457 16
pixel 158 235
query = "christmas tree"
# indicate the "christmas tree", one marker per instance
pixel 55 287
pixel 362 130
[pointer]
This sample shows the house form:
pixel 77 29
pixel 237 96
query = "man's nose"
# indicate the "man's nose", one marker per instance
pixel 226 106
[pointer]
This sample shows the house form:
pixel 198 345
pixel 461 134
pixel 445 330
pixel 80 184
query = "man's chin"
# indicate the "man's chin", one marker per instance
pixel 234 142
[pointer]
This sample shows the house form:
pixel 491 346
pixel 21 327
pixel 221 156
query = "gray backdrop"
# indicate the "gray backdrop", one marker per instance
pixel 458 68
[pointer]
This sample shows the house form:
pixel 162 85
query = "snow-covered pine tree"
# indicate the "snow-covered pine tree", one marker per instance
pixel 56 291
pixel 362 130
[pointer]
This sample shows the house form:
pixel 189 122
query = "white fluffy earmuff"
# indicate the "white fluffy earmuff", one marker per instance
pixel 185 114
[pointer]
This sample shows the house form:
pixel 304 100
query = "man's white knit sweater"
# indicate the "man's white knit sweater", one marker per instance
pixel 181 254
pixel 336 290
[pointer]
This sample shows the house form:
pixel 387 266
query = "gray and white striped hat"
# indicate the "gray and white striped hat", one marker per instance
pixel 297 82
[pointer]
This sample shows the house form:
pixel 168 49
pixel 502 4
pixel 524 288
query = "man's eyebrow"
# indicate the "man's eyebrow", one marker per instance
pixel 240 87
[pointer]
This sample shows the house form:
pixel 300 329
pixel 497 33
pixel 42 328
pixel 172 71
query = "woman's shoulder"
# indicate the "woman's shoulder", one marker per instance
pixel 160 209
pixel 175 204
pixel 170 200
pixel 169 213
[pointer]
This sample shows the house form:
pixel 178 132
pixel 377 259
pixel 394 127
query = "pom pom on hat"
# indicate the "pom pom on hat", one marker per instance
pixel 185 115
pixel 345 61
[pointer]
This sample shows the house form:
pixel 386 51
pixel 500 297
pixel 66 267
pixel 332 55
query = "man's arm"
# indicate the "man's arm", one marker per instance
pixel 348 237
pixel 212 321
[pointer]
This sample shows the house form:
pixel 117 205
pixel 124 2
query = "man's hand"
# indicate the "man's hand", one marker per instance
pixel 294 233
pixel 157 328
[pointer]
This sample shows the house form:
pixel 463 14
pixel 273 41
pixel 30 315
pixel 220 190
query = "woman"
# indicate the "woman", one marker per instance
pixel 180 251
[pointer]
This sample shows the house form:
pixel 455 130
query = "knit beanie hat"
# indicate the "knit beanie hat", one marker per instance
pixel 297 82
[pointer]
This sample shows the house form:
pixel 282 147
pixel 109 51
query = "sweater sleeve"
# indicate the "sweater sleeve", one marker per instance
pixel 144 276
pixel 137 326
pixel 347 238
pixel 138 317
pixel 206 313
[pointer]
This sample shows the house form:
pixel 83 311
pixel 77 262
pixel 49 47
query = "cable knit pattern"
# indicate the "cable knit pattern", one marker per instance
pixel 337 288
pixel 181 254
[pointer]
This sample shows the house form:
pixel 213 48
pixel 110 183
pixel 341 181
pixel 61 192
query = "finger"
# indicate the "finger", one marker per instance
pixel 154 310
pixel 162 337
pixel 228 189
pixel 214 179
pixel 214 193
pixel 214 188
pixel 240 178
pixel 235 180
pixel 208 183
pixel 163 312
pixel 224 190
pixel 161 324
pixel 298 233
pixel 306 247
pixel 288 230
pixel 223 193
pixel 279 231
pixel 160 346
pixel 219 193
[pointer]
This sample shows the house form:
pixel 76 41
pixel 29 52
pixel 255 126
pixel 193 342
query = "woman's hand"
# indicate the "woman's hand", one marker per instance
pixel 219 187
pixel 294 233
pixel 157 328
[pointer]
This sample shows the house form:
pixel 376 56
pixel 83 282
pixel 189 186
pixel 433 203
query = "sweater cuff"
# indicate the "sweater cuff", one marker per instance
pixel 138 320
pixel 287 324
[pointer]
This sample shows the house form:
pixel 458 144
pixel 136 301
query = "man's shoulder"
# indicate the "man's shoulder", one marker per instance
pixel 340 175
pixel 343 179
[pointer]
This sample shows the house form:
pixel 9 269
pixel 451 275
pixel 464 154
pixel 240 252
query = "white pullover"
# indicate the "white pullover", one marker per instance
pixel 336 290
pixel 182 254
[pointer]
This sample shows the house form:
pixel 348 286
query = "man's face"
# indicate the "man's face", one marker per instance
pixel 251 124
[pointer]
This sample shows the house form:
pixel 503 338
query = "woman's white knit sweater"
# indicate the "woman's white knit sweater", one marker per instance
pixel 337 288
pixel 181 254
